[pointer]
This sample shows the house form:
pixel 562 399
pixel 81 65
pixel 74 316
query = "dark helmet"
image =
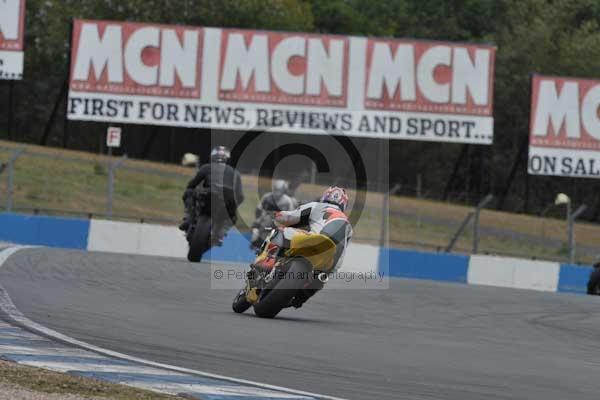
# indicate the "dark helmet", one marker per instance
pixel 220 154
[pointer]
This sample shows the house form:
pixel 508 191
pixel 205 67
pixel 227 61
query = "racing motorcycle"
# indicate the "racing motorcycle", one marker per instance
pixel 593 286
pixel 291 266
pixel 265 222
pixel 207 226
pixel 261 229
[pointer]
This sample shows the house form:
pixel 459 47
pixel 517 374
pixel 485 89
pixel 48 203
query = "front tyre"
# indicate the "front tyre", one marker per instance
pixel 295 279
pixel 593 287
pixel 200 239
pixel 240 304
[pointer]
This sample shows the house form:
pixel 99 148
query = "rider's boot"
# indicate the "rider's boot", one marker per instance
pixel 221 235
pixel 302 298
pixel 188 204
pixel 223 229
pixel 185 223
pixel 306 294
pixel 255 240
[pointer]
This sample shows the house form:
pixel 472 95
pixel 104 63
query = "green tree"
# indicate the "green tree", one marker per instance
pixel 559 37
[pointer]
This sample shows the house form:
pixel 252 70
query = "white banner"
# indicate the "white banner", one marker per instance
pixel 565 127
pixel 11 64
pixel 286 82
pixel 573 163
pixel 12 33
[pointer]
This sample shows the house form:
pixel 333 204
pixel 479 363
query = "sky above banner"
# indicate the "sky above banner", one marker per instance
pixel 280 81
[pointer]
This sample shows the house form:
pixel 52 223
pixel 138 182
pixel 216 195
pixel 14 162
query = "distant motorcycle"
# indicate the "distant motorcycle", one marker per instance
pixel 593 286
pixel 261 229
pixel 291 266
pixel 207 224
pixel 278 200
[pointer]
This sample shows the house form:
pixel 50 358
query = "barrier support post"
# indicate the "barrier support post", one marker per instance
pixel 9 123
pixel 459 232
pixel 11 177
pixel 419 219
pixel 112 167
pixel 383 234
pixel 486 200
pixel 571 228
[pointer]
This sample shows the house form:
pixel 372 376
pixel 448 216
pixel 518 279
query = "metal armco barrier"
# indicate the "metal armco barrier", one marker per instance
pixel 10 165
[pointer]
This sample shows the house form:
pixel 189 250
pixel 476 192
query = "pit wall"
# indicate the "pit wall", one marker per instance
pixel 168 241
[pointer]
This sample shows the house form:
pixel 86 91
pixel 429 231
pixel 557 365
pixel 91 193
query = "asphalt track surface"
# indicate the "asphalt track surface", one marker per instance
pixel 417 340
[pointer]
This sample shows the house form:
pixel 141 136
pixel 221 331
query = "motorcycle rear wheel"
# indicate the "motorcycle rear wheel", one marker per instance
pixel 200 239
pixel 280 296
pixel 593 287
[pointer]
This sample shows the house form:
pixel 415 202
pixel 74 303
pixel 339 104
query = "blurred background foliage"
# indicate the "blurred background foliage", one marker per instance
pixel 560 37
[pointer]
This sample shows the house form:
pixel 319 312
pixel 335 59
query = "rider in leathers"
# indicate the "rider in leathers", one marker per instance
pixel 277 200
pixel 326 217
pixel 215 180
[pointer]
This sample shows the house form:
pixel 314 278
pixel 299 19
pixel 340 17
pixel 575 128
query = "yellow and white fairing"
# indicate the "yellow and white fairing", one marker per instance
pixel 318 249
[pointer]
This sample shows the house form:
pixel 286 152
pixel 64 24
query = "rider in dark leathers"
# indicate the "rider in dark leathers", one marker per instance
pixel 221 182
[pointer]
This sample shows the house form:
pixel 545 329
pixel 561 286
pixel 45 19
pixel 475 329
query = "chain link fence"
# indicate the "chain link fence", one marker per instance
pixel 431 225
pixel 79 184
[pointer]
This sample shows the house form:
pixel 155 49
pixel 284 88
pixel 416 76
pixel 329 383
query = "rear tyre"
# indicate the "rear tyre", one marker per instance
pixel 593 286
pixel 296 278
pixel 240 304
pixel 200 239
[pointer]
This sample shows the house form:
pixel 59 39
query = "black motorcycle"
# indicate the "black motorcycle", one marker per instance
pixel 593 286
pixel 264 223
pixel 209 222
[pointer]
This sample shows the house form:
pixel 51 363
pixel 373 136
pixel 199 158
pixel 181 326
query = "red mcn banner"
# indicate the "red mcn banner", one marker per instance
pixel 565 127
pixel 12 38
pixel 281 81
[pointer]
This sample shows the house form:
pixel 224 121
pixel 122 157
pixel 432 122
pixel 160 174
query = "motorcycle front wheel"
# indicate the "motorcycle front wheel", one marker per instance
pixel 240 304
pixel 276 299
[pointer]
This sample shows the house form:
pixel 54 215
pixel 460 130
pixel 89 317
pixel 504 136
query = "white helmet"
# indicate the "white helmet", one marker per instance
pixel 280 187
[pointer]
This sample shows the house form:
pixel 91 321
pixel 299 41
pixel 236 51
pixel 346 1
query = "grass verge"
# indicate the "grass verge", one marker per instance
pixel 20 379
pixel 49 178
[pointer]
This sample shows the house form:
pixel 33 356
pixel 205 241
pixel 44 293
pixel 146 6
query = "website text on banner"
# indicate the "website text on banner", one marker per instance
pixel 12 34
pixel 286 82
pixel 565 127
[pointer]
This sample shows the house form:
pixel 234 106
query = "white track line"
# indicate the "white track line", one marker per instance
pixel 46 351
pixel 96 367
pixel 8 307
